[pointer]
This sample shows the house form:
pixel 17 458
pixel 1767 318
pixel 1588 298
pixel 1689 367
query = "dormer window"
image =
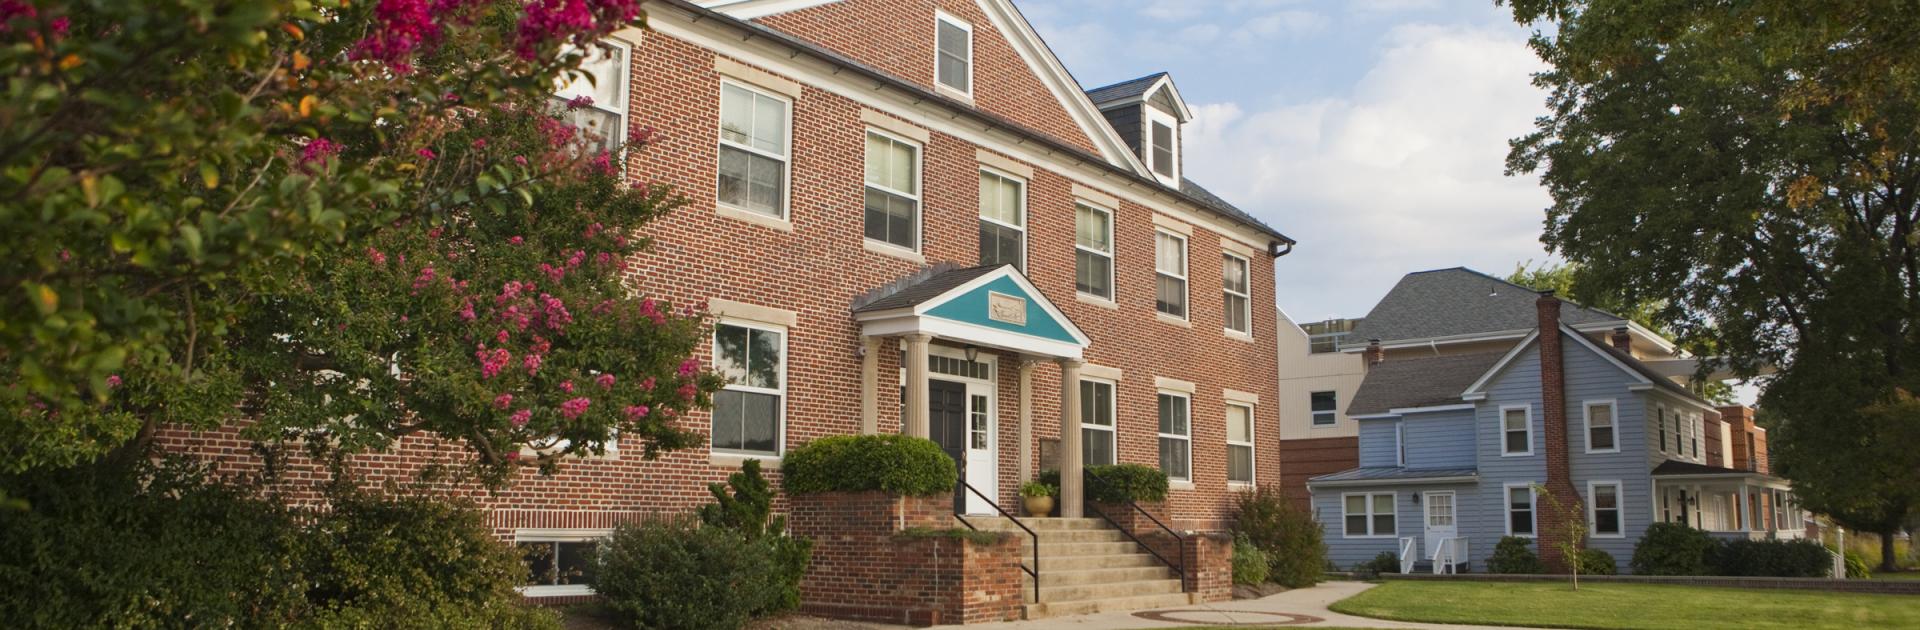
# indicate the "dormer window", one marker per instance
pixel 1147 113
pixel 1163 144
pixel 953 55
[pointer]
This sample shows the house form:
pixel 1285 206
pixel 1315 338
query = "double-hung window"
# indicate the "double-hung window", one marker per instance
pixel 1003 220
pixel 1369 514
pixel 753 150
pixel 1600 428
pixel 1093 251
pixel 1697 425
pixel 1096 423
pixel 1519 509
pixel 1516 431
pixel 1661 413
pixel 1603 498
pixel 953 54
pixel 893 191
pixel 1238 303
pixel 1163 148
pixel 748 414
pixel 1176 436
pixel 1170 274
pixel 1324 408
pixel 597 106
pixel 1239 444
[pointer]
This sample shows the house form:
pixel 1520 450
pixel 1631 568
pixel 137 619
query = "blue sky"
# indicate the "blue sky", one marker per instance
pixel 1373 131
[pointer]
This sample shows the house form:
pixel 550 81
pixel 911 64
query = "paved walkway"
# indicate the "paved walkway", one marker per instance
pixel 1278 609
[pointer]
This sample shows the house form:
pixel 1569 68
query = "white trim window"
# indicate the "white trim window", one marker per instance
pixel 1325 407
pixel 1606 512
pixel 597 106
pixel 1093 250
pixel 953 53
pixel 1170 273
pixel 1661 413
pixel 1240 444
pixel 1516 431
pixel 1097 446
pixel 1698 425
pixel 1162 146
pixel 754 144
pixel 1003 220
pixel 1521 517
pixel 559 561
pixel 749 413
pixel 1176 435
pixel 1602 432
pixel 1369 515
pixel 1237 299
pixel 892 191
pixel 1400 443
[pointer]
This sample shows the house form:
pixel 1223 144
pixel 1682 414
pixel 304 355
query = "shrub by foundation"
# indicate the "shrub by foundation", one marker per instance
pixel 1514 555
pixel 897 464
pixel 1285 534
pixel 1672 549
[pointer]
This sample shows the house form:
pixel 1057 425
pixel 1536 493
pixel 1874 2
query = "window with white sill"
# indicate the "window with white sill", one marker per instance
pixel 754 143
pixel 1093 251
pixel 1096 423
pixel 1003 220
pixel 749 413
pixel 1237 301
pixel 1170 274
pixel 953 54
pixel 1369 514
pixel 594 99
pixel 1176 436
pixel 1239 444
pixel 1325 408
pixel 893 191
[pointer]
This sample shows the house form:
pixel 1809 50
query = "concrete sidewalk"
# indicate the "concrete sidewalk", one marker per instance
pixel 1304 608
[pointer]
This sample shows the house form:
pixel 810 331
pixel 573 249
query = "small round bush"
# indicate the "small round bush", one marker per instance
pixel 1596 562
pixel 674 573
pixel 1672 549
pixel 1249 562
pixel 1514 555
pixel 1770 558
pixel 1285 532
pixel 897 464
pixel 1386 562
pixel 1118 483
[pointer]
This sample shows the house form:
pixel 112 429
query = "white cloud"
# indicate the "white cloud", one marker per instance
pixel 1287 23
pixel 1375 7
pixel 1404 173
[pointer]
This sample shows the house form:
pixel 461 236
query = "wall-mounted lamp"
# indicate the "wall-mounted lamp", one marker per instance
pixel 1416 498
pixel 973 352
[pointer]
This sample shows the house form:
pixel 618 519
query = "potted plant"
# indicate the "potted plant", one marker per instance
pixel 1037 497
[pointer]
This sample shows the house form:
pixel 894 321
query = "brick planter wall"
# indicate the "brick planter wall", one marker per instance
pixel 1209 565
pixel 864 569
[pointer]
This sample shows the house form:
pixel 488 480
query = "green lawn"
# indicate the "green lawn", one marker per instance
pixel 1629 606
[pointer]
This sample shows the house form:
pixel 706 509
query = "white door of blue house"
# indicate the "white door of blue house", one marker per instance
pixel 962 416
pixel 1442 521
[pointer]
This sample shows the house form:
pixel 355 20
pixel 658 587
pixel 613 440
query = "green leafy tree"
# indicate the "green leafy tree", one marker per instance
pixel 1572 518
pixel 354 221
pixel 1560 279
pixel 1755 165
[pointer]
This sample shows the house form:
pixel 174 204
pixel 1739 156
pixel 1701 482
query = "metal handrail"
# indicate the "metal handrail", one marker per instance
pixel 1032 572
pixel 1179 569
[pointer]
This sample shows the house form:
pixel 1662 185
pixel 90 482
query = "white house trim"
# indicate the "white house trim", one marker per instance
pixel 1164 82
pixel 1502 419
pixel 1474 391
pixel 1506 507
pixel 1040 59
pixel 750 9
pixel 1586 423
pixel 1619 505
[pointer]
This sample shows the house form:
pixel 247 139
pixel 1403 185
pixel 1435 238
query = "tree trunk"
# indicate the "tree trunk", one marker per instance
pixel 1887 560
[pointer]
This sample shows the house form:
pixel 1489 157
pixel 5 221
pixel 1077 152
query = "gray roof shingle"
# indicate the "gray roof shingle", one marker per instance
pixel 1459 301
pixel 1390 473
pixel 916 290
pixel 1644 370
pixel 1421 382
pixel 1129 88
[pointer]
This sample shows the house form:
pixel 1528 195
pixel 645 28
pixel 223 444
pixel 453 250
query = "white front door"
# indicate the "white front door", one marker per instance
pixel 983 472
pixel 1441 523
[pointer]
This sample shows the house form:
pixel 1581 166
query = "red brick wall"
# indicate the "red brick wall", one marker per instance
pixel 1554 526
pixel 1210 566
pixel 863 568
pixel 897 37
pixel 1306 459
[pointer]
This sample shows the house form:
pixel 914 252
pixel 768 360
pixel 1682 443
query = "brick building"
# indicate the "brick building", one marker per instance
pixel 906 216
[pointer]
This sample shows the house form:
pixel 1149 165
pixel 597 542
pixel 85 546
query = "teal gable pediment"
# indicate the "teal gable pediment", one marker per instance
pixel 976 307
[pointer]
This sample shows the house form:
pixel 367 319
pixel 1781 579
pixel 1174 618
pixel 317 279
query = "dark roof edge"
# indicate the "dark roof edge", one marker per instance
pixel 1522 287
pixel 1049 142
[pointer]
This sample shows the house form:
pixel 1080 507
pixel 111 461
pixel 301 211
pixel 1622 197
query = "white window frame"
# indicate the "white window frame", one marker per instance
pixel 1613 423
pixel 1112 291
pixel 1660 412
pixel 1154 115
pixel 1185 439
pixel 1619 507
pixel 1185 278
pixel 1400 443
pixel 919 184
pixel 786 174
pixel 1253 451
pixel 1025 217
pixel 1113 411
pixel 1699 425
pixel 780 420
pixel 1370 514
pixel 943 16
pixel 1504 430
pixel 1506 508
pixel 1313 417
pixel 624 71
pixel 1246 299
pixel 557 536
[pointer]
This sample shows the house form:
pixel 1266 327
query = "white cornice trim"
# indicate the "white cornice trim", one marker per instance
pixel 1473 391
pixel 750 9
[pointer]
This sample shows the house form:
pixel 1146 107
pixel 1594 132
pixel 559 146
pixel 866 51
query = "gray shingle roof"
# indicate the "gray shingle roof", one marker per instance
pixel 916 290
pixel 1659 381
pixel 1459 301
pixel 1129 88
pixel 1214 201
pixel 1421 382
pixel 1390 473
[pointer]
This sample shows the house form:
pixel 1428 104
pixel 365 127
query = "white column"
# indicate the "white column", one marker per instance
pixel 916 424
pixel 870 385
pixel 1025 367
pixel 1072 497
pixel 1746 509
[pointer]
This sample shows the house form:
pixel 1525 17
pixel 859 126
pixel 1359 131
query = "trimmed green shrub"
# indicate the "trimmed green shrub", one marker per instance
pixel 1035 488
pixel 1672 549
pixel 674 573
pixel 1285 532
pixel 1119 483
pixel 1249 562
pixel 1515 555
pixel 897 464
pixel 1596 562
pixel 1386 562
pixel 748 511
pixel 1770 558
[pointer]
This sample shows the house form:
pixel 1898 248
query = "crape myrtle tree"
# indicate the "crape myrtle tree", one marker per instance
pixel 1754 166
pixel 342 221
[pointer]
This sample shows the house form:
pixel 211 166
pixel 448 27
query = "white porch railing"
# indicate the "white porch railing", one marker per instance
pixel 1448 554
pixel 1409 554
pixel 1839 565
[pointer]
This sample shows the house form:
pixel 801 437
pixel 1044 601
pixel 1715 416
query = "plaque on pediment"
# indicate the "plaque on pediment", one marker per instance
pixel 1007 309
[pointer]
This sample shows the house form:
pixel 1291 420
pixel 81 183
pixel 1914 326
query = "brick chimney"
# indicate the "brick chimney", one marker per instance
pixel 1553 404
pixel 1622 340
pixel 1374 354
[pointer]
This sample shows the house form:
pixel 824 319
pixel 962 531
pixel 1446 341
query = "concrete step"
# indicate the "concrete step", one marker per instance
pixel 1050 562
pixel 1118 604
pixel 1038 523
pixel 1106 590
pixel 1068 549
pixel 1076 577
pixel 1049 537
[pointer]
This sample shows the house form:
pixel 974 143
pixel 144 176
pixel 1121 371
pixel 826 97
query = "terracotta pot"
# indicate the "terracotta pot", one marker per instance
pixel 1038 506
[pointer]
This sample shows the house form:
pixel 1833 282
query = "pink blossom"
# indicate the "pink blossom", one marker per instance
pixel 553 273
pixel 503 401
pixel 60 25
pixel 466 311
pixel 573 408
pixel 520 159
pixel 687 391
pixel 112 380
pixel 516 240
pixel 375 256
pixel 425 278
pixel 580 101
pixel 594 229
pixel 479 143
pixel 604 163
pixel 541 345
pixel 640 135
pixel 513 455
pixel 575 260
pixel 66 255
pixel 491 362
pixel 605 381
pixel 546 21
pixel 436 231
pixel 426 153
pixel 520 419
pixel 566 386
pixel 402 26
pixel 450 97
pixel 501 336
pixel 532 363
pixel 508 291
pixel 689 366
pixel 556 312
pixel 647 385
pixel 637 412
pixel 317 150
pixel 603 258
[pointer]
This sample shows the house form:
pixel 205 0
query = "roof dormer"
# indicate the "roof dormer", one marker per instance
pixel 1147 112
